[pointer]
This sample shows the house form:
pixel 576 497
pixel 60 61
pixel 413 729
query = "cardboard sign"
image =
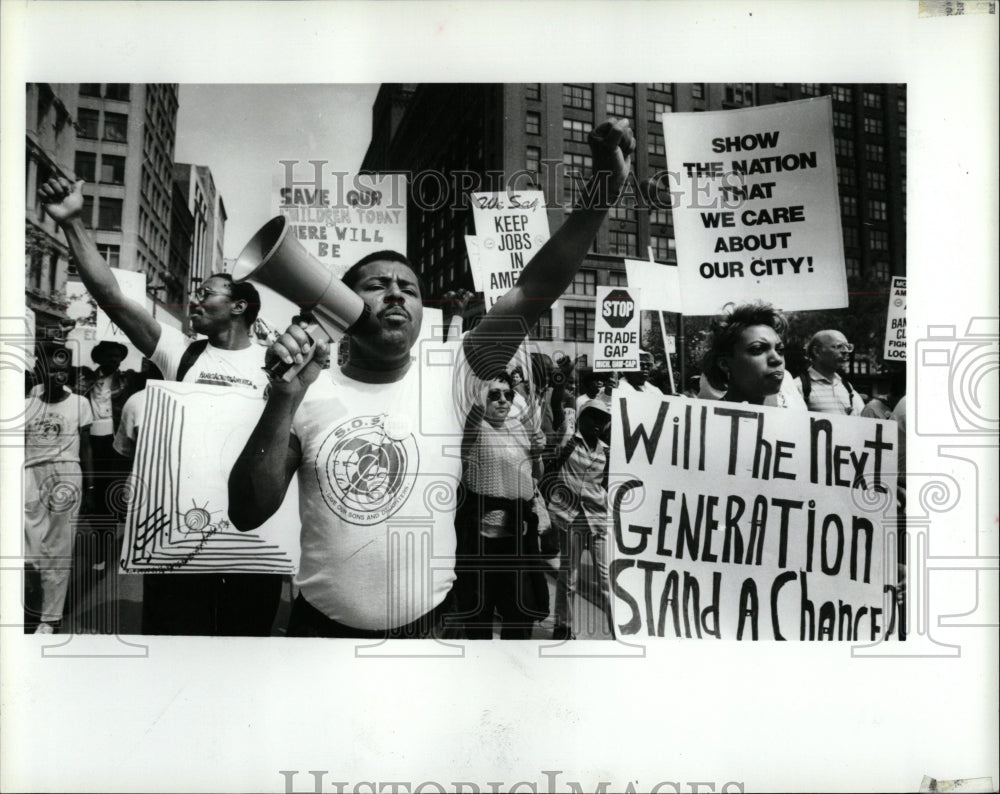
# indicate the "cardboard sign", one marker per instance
pixel 510 229
pixel 759 213
pixel 659 285
pixel 178 519
pixel 895 321
pixel 93 325
pixel 340 219
pixel 736 521
pixel 616 329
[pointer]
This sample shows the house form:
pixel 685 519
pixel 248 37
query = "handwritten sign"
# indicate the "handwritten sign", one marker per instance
pixel 616 330
pixel 510 230
pixel 759 213
pixel 345 218
pixel 178 519
pixel 737 521
pixel 895 322
pixel 93 325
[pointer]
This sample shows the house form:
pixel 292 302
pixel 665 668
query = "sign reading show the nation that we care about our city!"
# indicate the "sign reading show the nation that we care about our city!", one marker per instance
pixel 736 521
pixel 758 216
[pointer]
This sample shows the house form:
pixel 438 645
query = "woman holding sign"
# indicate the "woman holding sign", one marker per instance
pixel 747 355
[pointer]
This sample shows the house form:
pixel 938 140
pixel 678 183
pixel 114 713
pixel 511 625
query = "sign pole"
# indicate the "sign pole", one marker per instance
pixel 670 367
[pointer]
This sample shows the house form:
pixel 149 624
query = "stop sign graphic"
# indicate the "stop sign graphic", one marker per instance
pixel 618 308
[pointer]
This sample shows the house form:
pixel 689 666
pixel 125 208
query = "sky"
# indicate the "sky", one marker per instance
pixel 241 132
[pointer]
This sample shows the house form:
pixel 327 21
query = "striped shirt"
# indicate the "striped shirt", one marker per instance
pixel 830 395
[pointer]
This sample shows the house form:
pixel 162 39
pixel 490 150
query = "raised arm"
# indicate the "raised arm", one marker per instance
pixel 64 203
pixel 262 472
pixel 491 344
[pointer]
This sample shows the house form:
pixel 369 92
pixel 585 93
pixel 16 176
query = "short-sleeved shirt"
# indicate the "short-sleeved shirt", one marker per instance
pixel 127 434
pixel 378 479
pixel 582 473
pixel 52 430
pixel 830 395
pixel 217 366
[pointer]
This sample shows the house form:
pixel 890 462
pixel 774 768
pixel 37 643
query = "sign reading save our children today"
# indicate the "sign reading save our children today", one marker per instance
pixel 759 213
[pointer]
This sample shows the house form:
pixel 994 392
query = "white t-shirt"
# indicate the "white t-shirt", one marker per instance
pixel 127 434
pixel 377 491
pixel 216 366
pixel 52 430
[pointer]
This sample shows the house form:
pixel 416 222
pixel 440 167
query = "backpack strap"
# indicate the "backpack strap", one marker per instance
pixel 189 356
pixel 807 384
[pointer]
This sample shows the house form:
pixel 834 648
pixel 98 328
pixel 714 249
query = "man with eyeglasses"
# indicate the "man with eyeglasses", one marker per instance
pixel 373 443
pixel 223 311
pixel 821 386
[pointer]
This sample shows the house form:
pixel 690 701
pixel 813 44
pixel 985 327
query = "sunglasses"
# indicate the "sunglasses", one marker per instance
pixel 495 394
pixel 201 293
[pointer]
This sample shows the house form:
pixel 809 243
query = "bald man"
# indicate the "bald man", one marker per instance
pixel 821 386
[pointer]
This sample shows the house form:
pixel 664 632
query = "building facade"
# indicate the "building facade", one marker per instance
pixel 208 212
pixel 535 135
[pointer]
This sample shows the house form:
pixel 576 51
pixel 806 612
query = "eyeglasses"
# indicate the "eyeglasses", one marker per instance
pixel 201 293
pixel 494 395
pixel 848 348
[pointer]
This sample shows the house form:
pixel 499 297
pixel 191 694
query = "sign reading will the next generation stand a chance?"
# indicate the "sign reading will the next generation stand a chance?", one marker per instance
pixel 759 212
pixel 616 329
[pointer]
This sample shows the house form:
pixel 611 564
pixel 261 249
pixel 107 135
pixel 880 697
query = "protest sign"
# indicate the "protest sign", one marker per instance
pixel 616 329
pixel 472 250
pixel 895 321
pixel 658 284
pixel 510 230
pixel 341 218
pixel 759 213
pixel 737 521
pixel 178 518
pixel 93 325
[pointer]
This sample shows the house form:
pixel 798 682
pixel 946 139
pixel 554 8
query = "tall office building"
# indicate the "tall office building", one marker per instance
pixel 208 212
pixel 537 134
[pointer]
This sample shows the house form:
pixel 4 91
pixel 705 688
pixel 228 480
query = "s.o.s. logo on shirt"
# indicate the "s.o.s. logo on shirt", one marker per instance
pixel 367 467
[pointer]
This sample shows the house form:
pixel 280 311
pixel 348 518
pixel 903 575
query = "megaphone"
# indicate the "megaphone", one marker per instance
pixel 276 259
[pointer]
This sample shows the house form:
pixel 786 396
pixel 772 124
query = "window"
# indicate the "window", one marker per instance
pixel 878 240
pixel 621 243
pixel 667 88
pixel 872 100
pixel 109 213
pixel 873 126
pixel 579 324
pixel 88 211
pixel 87 121
pixel 877 210
pixel 655 144
pixel 543 328
pixel 533 160
pixel 576 130
pixel 661 216
pixel 656 111
pixel 116 91
pixel 853 266
pixel 623 213
pixel 844 121
pixel 875 180
pixel 85 166
pixel 902 131
pixel 843 147
pixel 575 166
pixel 620 105
pixel 112 169
pixel 846 177
pixel 739 93
pixel 90 89
pixel 662 250
pixel 697 90
pixel 115 127
pixel 617 278
pixel 901 107
pixel 578 96
pixel 110 253
pixel 533 91
pixel 881 270
pixel 842 93
pixel 584 283
pixel 874 152
pixel 809 89
pixel 533 123
pixel 851 237
pixel 849 206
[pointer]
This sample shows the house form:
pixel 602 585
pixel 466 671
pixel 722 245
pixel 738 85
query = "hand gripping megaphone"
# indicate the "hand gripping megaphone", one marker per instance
pixel 274 258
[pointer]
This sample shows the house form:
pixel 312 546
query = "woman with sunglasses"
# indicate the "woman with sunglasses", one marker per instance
pixel 493 523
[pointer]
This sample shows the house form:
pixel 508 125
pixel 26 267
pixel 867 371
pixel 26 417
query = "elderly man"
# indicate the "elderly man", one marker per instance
pixel 374 440
pixel 224 311
pixel 821 386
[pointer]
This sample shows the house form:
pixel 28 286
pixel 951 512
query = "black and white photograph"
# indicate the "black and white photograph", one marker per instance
pixel 334 384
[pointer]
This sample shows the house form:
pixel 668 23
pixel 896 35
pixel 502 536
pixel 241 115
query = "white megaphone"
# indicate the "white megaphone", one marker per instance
pixel 274 258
